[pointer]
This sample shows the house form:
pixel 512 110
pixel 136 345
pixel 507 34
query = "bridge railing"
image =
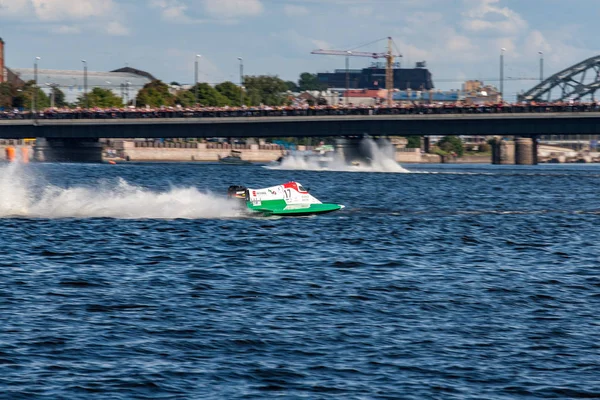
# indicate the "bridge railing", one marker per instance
pixel 299 112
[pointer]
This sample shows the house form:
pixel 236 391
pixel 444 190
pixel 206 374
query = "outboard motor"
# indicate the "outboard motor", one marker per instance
pixel 237 192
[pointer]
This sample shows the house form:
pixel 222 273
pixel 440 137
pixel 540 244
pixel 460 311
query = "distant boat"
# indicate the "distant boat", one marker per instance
pixel 234 158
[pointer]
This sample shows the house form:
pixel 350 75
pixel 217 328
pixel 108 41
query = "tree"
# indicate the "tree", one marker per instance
pixel 310 81
pixel 291 86
pixel 209 96
pixel 155 94
pixel 413 142
pixel 100 97
pixel 23 96
pixel 263 89
pixel 185 98
pixel 59 97
pixel 451 144
pixel 7 94
pixel 231 91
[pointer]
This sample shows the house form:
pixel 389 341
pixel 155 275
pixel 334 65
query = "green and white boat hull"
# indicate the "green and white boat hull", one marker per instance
pixel 289 199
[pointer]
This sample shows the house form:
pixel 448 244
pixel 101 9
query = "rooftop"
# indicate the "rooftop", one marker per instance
pixel 71 82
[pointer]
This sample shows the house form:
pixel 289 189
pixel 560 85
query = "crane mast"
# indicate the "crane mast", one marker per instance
pixel 389 68
pixel 389 73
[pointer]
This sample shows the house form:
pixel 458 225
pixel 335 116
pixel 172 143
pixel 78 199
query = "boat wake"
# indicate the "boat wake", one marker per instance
pixel 379 157
pixel 22 197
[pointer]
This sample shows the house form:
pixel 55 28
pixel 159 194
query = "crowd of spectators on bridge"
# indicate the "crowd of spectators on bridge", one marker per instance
pixel 303 110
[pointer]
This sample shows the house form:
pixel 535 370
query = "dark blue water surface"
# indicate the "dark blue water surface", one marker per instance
pixel 456 282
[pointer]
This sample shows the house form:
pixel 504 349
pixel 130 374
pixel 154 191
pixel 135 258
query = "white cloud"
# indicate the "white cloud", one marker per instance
pixel 233 8
pixel 224 11
pixel 172 10
pixel 57 10
pixel 295 11
pixel 360 11
pixel 115 28
pixel 458 43
pixel 66 29
pixel 484 15
pixel 14 7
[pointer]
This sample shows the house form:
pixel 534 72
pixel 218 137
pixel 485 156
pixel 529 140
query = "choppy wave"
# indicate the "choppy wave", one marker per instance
pixel 22 196
pixel 427 286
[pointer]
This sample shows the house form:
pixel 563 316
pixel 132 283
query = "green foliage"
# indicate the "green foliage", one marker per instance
pixel 231 91
pixel 414 142
pixel 99 97
pixel 59 97
pixel 7 93
pixel 451 144
pixel 291 86
pixel 209 96
pixel 155 94
pixel 263 89
pixel 22 96
pixel 310 81
pixel 185 98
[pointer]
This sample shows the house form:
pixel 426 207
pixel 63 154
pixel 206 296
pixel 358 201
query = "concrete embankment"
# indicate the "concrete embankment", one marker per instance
pixel 193 151
pixel 209 152
pixel 409 156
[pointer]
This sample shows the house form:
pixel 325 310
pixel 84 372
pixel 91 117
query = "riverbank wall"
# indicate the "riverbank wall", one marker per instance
pixel 210 152
pixel 192 151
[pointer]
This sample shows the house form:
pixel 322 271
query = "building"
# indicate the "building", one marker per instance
pixel 124 82
pixel 374 78
pixel 427 96
pixel 475 92
pixel 365 97
pixel 2 68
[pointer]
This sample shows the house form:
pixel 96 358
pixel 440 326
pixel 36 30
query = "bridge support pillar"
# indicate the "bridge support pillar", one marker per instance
pixel 348 149
pixel 426 146
pixel 68 150
pixel 525 151
pixel 503 151
pixel 361 150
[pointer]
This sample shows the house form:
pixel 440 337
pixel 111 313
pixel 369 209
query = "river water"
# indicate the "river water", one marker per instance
pixel 446 282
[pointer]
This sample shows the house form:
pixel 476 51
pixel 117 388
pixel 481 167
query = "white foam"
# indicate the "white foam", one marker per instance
pixel 381 159
pixel 19 197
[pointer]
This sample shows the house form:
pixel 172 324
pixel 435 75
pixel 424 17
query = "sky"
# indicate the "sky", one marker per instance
pixel 459 39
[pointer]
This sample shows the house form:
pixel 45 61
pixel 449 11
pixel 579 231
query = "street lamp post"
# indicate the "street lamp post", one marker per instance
pixel 53 87
pixel 85 84
pixel 196 78
pixel 241 81
pixel 35 85
pixel 541 65
pixel 502 50
pixel 349 53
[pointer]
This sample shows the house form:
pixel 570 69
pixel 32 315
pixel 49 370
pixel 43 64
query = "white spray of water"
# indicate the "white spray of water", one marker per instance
pixel 19 198
pixel 381 158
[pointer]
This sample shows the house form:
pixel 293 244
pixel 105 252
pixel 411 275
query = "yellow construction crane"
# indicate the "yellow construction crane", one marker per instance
pixel 389 69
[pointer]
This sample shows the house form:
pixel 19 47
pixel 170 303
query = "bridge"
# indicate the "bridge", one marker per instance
pixel 78 139
pixel 573 83
pixel 502 124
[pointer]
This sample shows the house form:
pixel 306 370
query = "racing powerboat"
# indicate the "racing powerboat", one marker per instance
pixel 288 199
pixel 234 158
